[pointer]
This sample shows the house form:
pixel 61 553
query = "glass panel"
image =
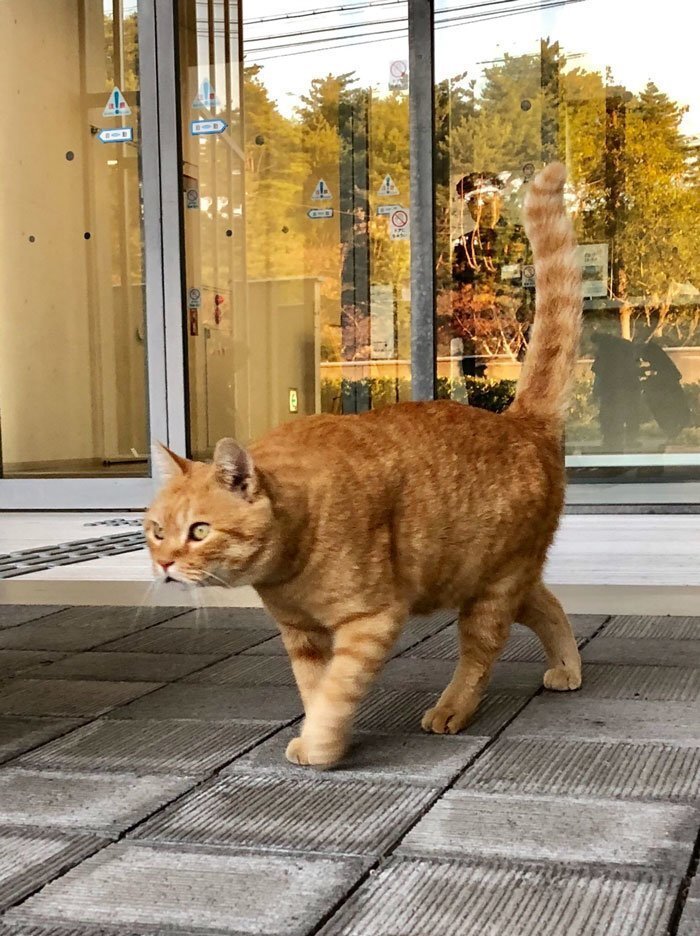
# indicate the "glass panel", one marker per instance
pixel 73 397
pixel 624 117
pixel 295 198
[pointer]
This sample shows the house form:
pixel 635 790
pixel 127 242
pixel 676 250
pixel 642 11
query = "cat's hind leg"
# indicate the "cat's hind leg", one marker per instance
pixel 483 630
pixel 543 614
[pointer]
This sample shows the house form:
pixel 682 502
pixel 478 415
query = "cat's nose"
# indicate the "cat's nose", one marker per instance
pixel 166 565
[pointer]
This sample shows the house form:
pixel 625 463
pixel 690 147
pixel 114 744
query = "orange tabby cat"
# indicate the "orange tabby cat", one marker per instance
pixel 347 524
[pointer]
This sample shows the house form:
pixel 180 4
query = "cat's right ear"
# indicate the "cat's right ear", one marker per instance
pixel 167 464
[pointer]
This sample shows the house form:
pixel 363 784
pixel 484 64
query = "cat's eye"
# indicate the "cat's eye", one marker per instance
pixel 158 531
pixel 199 531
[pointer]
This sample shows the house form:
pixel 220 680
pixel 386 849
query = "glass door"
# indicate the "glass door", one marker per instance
pixel 294 193
pixel 81 365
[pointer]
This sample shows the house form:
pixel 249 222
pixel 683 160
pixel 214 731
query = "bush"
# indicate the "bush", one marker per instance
pixel 351 396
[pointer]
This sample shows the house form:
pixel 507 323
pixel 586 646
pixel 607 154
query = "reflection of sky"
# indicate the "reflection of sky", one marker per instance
pixel 638 39
pixel 129 7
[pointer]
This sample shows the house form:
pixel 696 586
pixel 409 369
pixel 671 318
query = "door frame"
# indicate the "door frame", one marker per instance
pixel 165 405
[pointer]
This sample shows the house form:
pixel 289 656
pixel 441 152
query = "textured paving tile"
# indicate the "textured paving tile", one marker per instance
pixel 523 646
pixel 124 667
pixel 82 628
pixel 227 619
pixel 217 703
pixel 416 760
pixel 132 886
pixel 390 710
pixel 30 859
pixel 216 641
pixel 643 652
pixel 182 748
pixel 104 802
pixel 20 734
pixel 18 661
pixel 690 919
pixel 69 697
pixel 12 615
pixel 584 768
pixel 660 683
pixel 245 670
pixel 539 828
pixel 574 716
pixel 663 628
pixel 515 678
pixel 311 814
pixel 420 898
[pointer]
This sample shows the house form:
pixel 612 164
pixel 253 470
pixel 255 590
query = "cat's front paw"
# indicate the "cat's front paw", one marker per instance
pixel 446 719
pixel 306 753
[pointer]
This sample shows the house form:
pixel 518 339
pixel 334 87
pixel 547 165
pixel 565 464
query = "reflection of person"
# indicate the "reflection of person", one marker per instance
pixel 479 253
pixel 662 390
pixel 617 390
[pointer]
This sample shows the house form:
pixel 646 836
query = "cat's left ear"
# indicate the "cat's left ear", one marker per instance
pixel 167 463
pixel 235 469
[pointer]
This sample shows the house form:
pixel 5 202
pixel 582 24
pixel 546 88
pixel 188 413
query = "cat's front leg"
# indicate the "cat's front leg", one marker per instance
pixel 309 649
pixel 361 644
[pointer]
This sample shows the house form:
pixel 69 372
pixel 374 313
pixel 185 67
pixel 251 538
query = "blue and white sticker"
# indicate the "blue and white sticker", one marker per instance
pixel 116 135
pixel 321 192
pixel 207 127
pixel 206 98
pixel 316 213
pixel 116 105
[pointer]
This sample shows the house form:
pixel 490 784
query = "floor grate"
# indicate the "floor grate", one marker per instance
pixel 41 558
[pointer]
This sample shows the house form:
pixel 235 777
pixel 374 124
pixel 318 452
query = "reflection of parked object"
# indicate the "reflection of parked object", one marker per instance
pixel 662 390
pixel 472 365
pixel 617 390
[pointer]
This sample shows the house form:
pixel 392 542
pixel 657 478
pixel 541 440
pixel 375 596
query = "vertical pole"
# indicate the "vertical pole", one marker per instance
pixel 422 144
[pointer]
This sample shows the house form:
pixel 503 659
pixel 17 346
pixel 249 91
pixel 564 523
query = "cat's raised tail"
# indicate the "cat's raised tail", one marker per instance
pixel 545 381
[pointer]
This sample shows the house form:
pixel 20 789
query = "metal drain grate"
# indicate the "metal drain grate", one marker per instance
pixel 115 522
pixel 47 557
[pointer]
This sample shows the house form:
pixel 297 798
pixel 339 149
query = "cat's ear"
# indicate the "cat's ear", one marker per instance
pixel 167 463
pixel 234 468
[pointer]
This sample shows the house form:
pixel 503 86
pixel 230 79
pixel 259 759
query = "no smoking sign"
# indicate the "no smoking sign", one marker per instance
pixel 399 224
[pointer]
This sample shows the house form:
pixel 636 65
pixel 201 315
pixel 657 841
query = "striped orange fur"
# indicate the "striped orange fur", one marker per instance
pixel 347 524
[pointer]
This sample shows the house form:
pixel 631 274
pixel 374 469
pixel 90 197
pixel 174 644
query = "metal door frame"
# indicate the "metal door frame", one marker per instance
pixel 166 405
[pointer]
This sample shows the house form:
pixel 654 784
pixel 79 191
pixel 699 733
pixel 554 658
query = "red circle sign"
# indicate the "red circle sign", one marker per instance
pixel 399 219
pixel 398 69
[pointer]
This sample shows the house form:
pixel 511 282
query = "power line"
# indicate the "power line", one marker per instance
pixel 398 32
pixel 324 11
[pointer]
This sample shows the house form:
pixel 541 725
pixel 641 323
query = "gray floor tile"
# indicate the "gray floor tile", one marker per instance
pixel 216 641
pixel 12 615
pixel 515 678
pixel 217 703
pixel 104 802
pixel 273 646
pixel 245 670
pixel 228 619
pixel 31 859
pixel 19 661
pixel 572 715
pixel 391 710
pixel 182 748
pixel 82 628
pixel 69 697
pixel 586 768
pixel 646 652
pixel 522 646
pixel 690 920
pixel 663 628
pixel 21 734
pixel 132 886
pixel 420 898
pixel 416 760
pixel 312 814
pixel 546 828
pixel 660 683
pixel 124 667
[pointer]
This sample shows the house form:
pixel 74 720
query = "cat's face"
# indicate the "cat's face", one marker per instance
pixel 209 524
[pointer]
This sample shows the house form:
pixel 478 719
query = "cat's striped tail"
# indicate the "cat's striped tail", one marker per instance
pixel 545 381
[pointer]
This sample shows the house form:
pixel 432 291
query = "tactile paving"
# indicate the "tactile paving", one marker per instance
pixel 133 889
pixel 151 747
pixel 269 812
pixel 423 898
pixel 21 734
pixel 660 683
pixel 664 628
pixel 124 667
pixel 216 703
pixel 105 802
pixel 12 615
pixel 547 828
pixel 585 768
pixel 69 697
pixel 164 638
pixel 29 859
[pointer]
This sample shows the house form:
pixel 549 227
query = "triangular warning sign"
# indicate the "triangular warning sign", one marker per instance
pixel 321 192
pixel 116 105
pixel 388 187
pixel 206 97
